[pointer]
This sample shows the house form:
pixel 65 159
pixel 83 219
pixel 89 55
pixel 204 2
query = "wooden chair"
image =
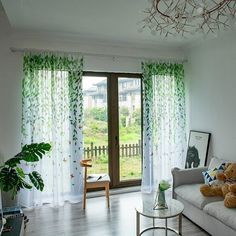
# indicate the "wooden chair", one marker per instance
pixel 101 181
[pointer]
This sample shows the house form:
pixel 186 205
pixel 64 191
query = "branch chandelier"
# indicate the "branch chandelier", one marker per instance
pixel 184 17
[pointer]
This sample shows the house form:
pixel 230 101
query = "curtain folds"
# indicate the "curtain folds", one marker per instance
pixel 52 111
pixel 164 122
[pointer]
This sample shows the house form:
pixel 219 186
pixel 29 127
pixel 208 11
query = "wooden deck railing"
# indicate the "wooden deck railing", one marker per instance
pixel 126 150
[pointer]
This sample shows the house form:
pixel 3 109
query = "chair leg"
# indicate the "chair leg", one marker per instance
pixel 84 199
pixel 107 195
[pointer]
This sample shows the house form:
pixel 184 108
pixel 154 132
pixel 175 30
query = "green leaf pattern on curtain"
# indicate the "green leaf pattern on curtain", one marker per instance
pixel 164 121
pixel 52 111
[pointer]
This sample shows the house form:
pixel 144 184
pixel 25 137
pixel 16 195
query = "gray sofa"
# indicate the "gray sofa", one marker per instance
pixel 209 213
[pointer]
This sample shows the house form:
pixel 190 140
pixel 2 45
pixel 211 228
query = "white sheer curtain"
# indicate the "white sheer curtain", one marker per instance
pixel 52 112
pixel 164 122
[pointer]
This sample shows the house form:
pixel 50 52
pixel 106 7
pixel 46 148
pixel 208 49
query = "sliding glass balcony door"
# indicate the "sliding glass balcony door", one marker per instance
pixel 95 130
pixel 112 128
pixel 129 94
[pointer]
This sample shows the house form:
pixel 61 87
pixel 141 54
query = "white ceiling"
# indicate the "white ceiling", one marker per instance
pixel 104 20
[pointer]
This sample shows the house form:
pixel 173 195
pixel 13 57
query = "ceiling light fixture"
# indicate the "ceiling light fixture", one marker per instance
pixel 183 17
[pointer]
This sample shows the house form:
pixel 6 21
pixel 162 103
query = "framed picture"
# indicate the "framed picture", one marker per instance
pixel 198 145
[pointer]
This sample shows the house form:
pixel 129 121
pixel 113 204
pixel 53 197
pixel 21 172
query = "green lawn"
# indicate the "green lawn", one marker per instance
pixel 130 167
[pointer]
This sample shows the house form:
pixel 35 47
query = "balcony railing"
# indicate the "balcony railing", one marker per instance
pixel 126 150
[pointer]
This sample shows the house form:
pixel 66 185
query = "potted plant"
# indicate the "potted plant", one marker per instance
pixel 12 176
pixel 160 202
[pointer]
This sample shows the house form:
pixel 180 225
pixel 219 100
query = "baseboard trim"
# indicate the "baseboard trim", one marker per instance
pixel 114 191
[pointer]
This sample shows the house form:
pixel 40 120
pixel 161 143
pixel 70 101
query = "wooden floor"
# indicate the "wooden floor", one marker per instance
pixel 97 220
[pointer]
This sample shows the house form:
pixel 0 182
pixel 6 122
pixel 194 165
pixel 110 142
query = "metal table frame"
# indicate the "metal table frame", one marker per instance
pixel 166 228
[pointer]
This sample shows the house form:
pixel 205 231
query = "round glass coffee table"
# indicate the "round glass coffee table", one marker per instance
pixel 175 209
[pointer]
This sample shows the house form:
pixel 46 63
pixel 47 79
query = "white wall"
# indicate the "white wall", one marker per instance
pixel 11 69
pixel 211 81
pixel 210 73
pixel 10 94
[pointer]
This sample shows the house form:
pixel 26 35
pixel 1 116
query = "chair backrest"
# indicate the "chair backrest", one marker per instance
pixel 85 163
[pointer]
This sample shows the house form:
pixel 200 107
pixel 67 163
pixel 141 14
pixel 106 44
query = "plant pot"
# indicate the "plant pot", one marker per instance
pixel 160 201
pixel 7 200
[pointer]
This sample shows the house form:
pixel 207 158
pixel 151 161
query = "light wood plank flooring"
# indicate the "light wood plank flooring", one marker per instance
pixel 97 220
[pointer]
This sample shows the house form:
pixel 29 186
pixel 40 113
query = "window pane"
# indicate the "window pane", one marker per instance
pixel 95 123
pixel 130 128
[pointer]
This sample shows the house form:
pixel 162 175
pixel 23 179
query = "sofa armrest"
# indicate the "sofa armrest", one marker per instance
pixel 187 176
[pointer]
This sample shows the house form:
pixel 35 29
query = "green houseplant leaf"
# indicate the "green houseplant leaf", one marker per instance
pixel 33 152
pixel 12 176
pixel 13 162
pixel 36 180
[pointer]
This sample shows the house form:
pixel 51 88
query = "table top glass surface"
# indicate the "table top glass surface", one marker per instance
pixel 147 204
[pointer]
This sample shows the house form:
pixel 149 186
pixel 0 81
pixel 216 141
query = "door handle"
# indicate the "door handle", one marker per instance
pixel 116 140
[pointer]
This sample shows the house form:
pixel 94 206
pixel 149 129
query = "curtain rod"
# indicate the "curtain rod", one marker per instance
pixel 22 50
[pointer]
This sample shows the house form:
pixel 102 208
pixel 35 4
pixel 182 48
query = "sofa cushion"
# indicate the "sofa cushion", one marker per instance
pixel 191 193
pixel 215 162
pixel 210 175
pixel 223 214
